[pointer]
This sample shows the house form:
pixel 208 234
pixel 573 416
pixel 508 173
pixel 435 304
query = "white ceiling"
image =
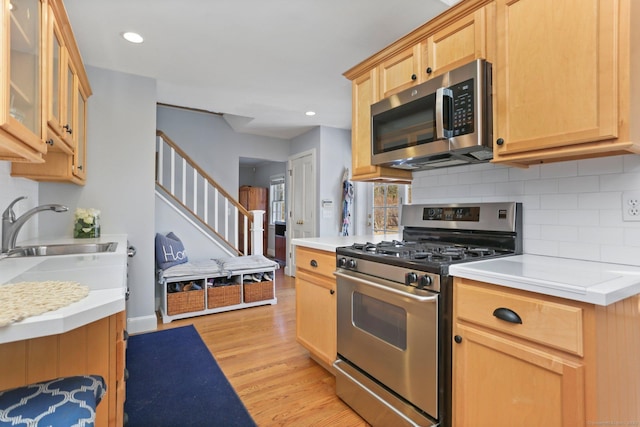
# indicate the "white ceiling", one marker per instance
pixel 262 63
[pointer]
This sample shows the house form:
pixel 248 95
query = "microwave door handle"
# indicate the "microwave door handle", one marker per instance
pixel 444 105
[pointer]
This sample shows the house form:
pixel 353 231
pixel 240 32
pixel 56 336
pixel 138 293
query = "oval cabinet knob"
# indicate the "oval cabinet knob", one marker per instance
pixel 429 70
pixel 500 141
pixel 457 339
pixel 413 77
pixel 50 142
pixel 314 263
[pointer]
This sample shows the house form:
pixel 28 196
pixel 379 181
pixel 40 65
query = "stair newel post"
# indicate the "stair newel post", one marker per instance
pixel 257 232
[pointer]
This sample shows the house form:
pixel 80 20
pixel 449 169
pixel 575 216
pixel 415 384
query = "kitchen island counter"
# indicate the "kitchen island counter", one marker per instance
pixel 586 281
pixel 104 273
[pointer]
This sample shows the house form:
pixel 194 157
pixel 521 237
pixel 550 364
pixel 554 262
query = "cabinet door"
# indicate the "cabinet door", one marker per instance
pixel 501 383
pixel 21 71
pixel 555 77
pixel 365 93
pixel 316 315
pixel 80 134
pixel 458 43
pixel 400 72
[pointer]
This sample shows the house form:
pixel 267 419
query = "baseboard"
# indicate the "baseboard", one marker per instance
pixel 137 325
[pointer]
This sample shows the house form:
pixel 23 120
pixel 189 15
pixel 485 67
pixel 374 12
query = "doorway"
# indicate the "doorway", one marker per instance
pixel 301 194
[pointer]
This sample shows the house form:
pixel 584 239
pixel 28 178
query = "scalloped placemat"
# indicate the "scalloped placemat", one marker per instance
pixel 26 299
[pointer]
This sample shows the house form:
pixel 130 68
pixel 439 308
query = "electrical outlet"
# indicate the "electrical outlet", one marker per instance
pixel 631 206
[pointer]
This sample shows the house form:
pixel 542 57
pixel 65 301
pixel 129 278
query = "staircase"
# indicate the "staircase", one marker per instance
pixel 191 192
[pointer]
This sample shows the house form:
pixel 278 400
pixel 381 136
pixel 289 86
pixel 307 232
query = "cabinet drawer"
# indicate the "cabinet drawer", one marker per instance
pixel 546 322
pixel 316 261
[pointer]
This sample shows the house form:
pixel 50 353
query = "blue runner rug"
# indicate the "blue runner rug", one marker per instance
pixel 174 381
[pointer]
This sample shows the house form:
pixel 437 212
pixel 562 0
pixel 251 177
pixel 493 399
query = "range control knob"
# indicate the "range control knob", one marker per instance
pixel 342 262
pixel 410 278
pixel 351 263
pixel 424 281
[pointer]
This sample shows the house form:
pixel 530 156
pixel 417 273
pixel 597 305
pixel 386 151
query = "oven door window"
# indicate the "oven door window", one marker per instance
pixel 405 126
pixel 380 319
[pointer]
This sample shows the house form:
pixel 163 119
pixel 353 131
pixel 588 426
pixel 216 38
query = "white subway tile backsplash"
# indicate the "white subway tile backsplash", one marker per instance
pixel 579 217
pixel 559 170
pixel 602 235
pixel 581 184
pixel 587 251
pixel 561 233
pixel 631 163
pixel 495 175
pixel 541 186
pixel 601 166
pixel 570 209
pixel 524 174
pixel 540 247
pixel 602 200
pixel 541 216
pixel 559 201
pixel 620 255
pixel 620 182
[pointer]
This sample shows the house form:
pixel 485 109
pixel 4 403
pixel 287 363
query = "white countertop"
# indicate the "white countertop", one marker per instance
pixel 331 243
pixel 105 274
pixel 586 281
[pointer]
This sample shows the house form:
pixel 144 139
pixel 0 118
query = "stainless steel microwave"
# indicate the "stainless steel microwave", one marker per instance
pixel 446 121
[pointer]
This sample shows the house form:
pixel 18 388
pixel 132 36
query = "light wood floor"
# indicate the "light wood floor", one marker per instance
pixel 273 375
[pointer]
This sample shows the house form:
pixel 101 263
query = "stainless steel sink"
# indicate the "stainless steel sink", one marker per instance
pixel 62 249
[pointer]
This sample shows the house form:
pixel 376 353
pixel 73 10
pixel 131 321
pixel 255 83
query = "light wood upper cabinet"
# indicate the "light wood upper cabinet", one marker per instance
pixel 365 93
pixel 400 72
pixel 458 43
pixel 566 364
pixel 64 105
pixel 561 79
pixel 21 81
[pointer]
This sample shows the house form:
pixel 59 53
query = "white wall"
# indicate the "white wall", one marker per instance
pixel 571 209
pixel 334 156
pixel 11 189
pixel 120 179
pixel 333 148
pixel 215 146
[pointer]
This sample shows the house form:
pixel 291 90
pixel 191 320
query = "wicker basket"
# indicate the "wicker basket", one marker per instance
pixel 221 296
pixel 258 291
pixel 185 302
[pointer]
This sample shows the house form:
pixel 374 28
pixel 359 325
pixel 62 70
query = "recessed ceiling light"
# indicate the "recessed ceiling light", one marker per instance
pixel 310 113
pixel 132 37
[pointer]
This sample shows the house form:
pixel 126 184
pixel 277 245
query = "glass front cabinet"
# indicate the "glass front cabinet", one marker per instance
pixel 51 134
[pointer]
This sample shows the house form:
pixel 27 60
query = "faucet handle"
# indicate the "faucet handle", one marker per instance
pixel 8 212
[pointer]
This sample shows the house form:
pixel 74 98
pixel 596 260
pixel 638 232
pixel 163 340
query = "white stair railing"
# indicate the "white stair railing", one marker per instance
pixel 195 191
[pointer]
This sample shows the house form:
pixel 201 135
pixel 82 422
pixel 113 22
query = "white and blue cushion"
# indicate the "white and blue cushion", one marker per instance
pixel 63 402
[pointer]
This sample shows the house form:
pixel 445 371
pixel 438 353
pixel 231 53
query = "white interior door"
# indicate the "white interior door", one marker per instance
pixel 301 218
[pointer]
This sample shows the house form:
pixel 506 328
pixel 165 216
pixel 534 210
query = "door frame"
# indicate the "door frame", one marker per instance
pixel 309 195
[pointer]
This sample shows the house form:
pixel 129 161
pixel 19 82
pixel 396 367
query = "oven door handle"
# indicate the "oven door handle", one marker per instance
pixel 386 288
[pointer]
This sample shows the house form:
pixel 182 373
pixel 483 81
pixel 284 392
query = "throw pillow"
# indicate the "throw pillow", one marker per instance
pixel 169 251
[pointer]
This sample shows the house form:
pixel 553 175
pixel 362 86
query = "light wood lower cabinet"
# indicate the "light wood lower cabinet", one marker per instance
pixel 316 304
pixel 567 364
pixel 97 348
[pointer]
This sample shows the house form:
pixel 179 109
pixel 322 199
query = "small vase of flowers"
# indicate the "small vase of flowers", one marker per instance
pixel 87 223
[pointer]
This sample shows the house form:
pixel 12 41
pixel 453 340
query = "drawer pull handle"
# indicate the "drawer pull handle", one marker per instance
pixel 314 263
pixel 507 315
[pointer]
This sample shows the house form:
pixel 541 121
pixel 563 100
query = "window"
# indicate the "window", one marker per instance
pixel 276 196
pixel 387 199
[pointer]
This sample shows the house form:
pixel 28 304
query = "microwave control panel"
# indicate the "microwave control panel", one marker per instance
pixel 463 105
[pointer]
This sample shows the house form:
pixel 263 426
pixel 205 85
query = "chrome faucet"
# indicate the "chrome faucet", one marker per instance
pixel 12 225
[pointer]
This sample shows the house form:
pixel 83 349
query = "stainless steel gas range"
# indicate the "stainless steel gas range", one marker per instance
pixel 394 302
